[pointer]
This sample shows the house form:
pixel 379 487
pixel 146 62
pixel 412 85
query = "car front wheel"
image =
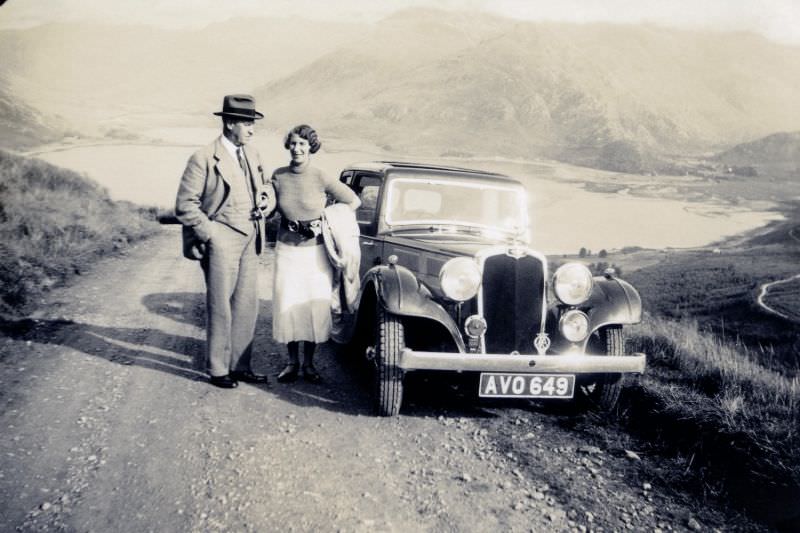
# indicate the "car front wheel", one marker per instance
pixel 603 390
pixel 390 341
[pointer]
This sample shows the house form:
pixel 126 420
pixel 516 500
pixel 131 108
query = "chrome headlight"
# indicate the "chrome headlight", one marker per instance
pixel 574 325
pixel 572 283
pixel 460 279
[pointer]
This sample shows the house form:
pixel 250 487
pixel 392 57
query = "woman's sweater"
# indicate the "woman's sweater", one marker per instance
pixel 302 192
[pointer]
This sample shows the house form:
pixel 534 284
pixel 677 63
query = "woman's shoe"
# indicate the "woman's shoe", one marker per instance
pixel 224 382
pixel 288 374
pixel 310 374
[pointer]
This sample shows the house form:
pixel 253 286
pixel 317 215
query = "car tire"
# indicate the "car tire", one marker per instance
pixel 603 391
pixel 389 342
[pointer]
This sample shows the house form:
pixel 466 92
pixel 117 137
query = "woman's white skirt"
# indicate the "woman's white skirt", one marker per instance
pixel 301 301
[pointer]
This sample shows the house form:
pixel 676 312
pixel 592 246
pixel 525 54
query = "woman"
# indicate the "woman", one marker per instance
pixel 303 276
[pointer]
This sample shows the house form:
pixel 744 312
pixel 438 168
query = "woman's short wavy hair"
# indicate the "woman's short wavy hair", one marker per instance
pixel 304 131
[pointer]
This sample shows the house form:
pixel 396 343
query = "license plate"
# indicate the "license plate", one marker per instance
pixel 499 385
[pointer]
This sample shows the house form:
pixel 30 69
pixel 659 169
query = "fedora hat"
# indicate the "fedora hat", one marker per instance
pixel 239 106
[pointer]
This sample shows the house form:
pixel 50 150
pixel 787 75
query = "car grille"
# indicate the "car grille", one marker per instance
pixel 513 289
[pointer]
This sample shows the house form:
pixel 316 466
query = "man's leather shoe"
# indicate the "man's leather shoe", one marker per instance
pixel 248 376
pixel 224 382
pixel 288 374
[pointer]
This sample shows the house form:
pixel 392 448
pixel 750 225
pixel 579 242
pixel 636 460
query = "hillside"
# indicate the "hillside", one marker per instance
pixel 777 154
pixel 54 223
pixel 112 76
pixel 583 93
pixel 21 125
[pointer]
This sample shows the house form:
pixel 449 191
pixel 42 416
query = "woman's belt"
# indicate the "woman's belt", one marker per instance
pixel 306 228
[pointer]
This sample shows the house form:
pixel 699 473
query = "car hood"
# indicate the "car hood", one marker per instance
pixel 455 245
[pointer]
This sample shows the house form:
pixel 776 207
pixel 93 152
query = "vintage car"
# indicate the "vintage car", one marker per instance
pixel 449 283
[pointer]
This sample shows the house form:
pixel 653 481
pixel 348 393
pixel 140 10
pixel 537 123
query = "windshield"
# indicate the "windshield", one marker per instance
pixel 420 199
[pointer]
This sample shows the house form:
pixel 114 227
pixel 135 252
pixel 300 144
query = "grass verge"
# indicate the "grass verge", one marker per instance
pixel 718 404
pixel 54 223
pixel 731 423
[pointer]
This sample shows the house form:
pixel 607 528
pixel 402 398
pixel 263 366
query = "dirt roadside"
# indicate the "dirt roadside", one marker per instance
pixel 107 425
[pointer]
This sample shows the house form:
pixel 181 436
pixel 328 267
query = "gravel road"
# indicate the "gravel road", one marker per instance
pixel 763 290
pixel 108 425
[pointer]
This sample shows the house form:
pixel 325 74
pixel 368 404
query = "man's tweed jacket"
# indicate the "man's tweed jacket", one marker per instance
pixel 204 189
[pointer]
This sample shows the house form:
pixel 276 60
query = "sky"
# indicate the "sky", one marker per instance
pixel 778 20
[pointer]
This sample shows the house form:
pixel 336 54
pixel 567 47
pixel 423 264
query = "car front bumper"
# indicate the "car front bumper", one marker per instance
pixel 566 364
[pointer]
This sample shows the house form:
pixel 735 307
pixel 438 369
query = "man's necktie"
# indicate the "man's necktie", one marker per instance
pixel 242 161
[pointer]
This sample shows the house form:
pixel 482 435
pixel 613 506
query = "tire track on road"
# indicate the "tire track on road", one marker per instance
pixel 765 287
pixel 792 234
pixel 764 290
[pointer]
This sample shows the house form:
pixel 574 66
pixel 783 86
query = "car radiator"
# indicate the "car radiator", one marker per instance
pixel 511 300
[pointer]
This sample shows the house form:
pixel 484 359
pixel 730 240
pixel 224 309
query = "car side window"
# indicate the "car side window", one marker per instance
pixel 367 187
pixel 369 201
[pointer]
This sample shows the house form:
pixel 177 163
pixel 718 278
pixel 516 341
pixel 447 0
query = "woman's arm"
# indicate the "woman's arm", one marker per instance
pixel 342 193
pixel 355 204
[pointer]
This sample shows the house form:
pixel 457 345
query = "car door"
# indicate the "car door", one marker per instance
pixel 368 187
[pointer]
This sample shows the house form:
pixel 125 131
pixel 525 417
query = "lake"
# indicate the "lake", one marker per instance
pixel 564 216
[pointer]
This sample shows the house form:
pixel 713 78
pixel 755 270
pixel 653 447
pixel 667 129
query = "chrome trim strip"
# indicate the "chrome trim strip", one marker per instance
pixel 568 363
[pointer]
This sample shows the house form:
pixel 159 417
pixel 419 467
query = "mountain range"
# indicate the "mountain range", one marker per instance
pixel 426 82
pixel 573 92
pixel 102 76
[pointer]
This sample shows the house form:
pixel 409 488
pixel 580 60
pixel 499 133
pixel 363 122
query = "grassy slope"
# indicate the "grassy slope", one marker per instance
pixel 722 390
pixel 53 224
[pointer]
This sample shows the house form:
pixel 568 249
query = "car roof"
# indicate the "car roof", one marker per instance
pixel 401 166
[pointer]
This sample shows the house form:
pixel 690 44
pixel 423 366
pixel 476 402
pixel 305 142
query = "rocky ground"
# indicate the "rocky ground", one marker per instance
pixel 109 425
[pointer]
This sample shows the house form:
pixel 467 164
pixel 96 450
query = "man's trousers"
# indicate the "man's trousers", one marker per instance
pixel 230 267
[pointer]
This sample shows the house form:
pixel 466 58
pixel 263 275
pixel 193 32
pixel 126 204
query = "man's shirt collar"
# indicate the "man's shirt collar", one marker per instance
pixel 230 147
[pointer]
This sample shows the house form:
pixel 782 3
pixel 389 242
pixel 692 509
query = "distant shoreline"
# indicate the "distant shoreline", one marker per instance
pixel 590 179
pixel 624 209
pixel 61 147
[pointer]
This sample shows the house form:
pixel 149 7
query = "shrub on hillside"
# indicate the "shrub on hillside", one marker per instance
pixel 53 224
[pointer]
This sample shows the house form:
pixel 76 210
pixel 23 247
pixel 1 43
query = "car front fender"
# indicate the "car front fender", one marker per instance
pixel 399 291
pixel 613 301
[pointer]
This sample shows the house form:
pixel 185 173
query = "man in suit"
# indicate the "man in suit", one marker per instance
pixel 222 201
